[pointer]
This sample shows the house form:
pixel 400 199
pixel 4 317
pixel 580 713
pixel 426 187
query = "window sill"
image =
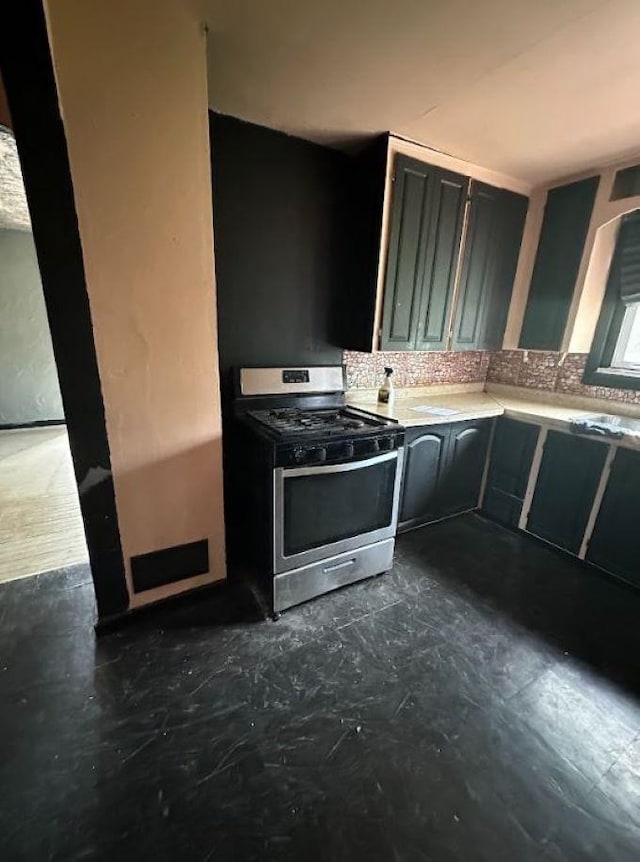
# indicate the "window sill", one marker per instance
pixel 614 378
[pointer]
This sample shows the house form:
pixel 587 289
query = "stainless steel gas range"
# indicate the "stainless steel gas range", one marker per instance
pixel 320 482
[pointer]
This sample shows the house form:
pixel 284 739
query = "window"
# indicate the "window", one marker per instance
pixel 627 350
pixel 615 354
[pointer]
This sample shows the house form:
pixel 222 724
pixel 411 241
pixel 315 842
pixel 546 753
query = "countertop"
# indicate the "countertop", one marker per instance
pixel 549 409
pixel 468 405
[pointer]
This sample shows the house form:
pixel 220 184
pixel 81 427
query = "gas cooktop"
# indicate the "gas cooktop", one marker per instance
pixel 290 421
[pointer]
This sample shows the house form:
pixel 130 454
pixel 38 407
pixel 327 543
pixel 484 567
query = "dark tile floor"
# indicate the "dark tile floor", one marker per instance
pixel 480 702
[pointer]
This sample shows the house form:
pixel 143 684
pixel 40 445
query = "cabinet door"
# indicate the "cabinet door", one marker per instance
pixel 615 543
pixel 424 239
pixel 461 477
pixel 564 228
pixel 442 252
pixel 425 453
pixel 512 452
pixel 492 245
pixel 511 214
pixel 567 482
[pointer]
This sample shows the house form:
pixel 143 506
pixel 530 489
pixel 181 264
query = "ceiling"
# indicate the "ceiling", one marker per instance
pixel 14 213
pixel 535 90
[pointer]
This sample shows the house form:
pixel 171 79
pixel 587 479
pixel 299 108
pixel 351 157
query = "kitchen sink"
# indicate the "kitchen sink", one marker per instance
pixel 606 425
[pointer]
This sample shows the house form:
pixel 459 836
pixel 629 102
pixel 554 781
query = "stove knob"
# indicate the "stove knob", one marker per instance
pixel 386 444
pixel 316 454
pixel 347 451
pixel 299 454
pixel 373 446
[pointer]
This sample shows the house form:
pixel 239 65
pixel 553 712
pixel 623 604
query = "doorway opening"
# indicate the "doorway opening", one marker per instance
pixel 41 527
pixel 32 99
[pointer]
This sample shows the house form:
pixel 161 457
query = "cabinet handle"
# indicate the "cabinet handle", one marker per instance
pixel 337 566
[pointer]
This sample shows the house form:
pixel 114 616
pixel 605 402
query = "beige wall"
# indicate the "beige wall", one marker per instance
pixel 592 275
pixel 533 89
pixel 132 87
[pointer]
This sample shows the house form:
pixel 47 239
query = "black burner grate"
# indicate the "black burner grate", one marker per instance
pixel 295 421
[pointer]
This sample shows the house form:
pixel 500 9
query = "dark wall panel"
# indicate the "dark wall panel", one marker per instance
pixel 283 266
pixel 280 236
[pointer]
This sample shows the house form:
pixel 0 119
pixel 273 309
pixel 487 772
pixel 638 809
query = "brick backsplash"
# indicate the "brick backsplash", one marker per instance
pixel 366 370
pixel 552 372
pixel 539 369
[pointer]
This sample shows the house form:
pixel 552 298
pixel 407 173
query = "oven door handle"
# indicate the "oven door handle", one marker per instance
pixel 337 468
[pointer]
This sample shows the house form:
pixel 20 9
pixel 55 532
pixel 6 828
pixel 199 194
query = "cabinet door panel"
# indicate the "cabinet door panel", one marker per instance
pixel 564 228
pixel 567 482
pixel 425 452
pixel 443 248
pixel 477 269
pixel 512 453
pixel 462 475
pixel 615 543
pixel 409 221
pixel 424 244
pixel 492 245
pixel 511 215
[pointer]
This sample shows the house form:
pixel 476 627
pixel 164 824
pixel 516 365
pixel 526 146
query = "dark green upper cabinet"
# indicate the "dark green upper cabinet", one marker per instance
pixel 492 245
pixel 443 248
pixel 466 458
pixel 405 284
pixel 564 228
pixel 424 241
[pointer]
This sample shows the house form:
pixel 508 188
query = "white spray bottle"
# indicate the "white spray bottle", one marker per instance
pixel 386 392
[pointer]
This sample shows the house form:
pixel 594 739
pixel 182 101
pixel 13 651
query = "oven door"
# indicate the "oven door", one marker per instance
pixel 326 510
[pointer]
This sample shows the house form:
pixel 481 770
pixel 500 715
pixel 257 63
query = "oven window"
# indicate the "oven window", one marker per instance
pixel 327 507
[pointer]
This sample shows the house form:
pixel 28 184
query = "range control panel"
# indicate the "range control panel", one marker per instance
pixel 338 451
pixel 295 375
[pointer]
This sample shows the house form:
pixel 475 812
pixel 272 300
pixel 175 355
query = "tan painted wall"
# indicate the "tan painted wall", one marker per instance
pixel 132 86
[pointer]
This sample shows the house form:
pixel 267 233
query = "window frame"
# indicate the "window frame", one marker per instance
pixel 629 321
pixel 599 369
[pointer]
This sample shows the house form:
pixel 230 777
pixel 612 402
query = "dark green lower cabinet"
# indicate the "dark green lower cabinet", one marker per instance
pixel 514 444
pixel 615 543
pixel 425 451
pixel 462 474
pixel 567 483
pixel 443 471
pixel 566 487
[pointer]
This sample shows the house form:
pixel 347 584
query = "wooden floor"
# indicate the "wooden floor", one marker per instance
pixel 40 523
